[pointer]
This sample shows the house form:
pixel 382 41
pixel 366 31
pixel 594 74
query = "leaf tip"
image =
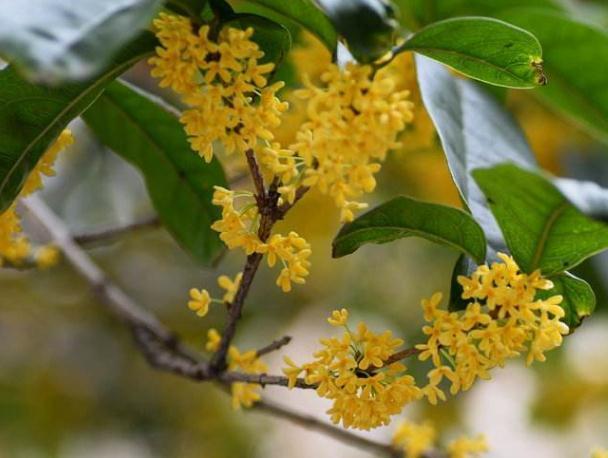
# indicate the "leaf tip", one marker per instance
pixel 539 73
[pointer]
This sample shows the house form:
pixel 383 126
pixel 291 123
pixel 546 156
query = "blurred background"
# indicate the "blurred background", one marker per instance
pixel 73 385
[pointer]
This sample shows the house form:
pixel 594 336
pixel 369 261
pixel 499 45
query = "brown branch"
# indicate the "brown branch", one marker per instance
pixel 273 346
pixel 300 192
pixel 403 354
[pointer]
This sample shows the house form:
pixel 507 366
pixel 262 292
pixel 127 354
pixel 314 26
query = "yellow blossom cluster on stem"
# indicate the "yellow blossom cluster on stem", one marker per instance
pixel 243 394
pixel 353 120
pixel 239 228
pixel 354 372
pixel 503 319
pixel 14 245
pixel 223 82
pixel 419 440
pixel 200 299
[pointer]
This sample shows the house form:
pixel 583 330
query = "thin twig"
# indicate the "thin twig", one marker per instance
pixel 115 232
pixel 273 346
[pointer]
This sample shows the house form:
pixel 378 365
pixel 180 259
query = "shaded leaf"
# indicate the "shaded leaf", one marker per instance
pixel 542 229
pixel 31 116
pixel 306 14
pixel 142 131
pixel 579 299
pixel 485 49
pixel 368 26
pixel 55 41
pixel 406 217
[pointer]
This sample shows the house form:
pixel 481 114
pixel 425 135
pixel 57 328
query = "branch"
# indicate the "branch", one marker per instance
pixel 275 345
pixel 115 232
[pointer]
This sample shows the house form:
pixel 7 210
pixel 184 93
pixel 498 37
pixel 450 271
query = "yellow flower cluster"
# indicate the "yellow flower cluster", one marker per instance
pixel 415 440
pixel 243 394
pixel 14 246
pixel 200 299
pixel 354 372
pixel 503 319
pixel 352 122
pixel 239 228
pixel 223 82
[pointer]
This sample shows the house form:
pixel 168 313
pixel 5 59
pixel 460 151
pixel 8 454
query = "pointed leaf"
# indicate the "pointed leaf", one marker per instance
pixel 406 217
pixel 142 131
pixel 579 299
pixel 543 230
pixel 485 49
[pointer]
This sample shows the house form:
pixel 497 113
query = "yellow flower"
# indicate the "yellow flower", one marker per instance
pixel 503 319
pixel 292 371
pixel 213 340
pixel 353 372
pixel 465 447
pixel 338 317
pixel 245 394
pixel 414 439
pixel 47 256
pixel 199 301
pixel 231 286
pixel 14 246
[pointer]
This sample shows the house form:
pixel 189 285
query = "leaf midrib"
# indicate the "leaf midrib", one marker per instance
pixel 544 236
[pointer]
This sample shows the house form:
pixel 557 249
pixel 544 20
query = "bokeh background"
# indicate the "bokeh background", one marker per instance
pixel 72 384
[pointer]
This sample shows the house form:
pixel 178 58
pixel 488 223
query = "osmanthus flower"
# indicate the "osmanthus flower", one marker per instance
pixel 14 246
pixel 419 440
pixel 223 82
pixel 354 372
pixel 243 394
pixel 200 299
pixel 504 318
pixel 238 228
pixel 353 120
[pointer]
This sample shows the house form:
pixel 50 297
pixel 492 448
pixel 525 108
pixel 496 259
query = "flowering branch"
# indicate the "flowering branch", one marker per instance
pixel 273 346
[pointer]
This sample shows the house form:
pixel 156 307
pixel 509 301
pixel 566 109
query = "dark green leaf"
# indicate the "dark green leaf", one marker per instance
pixel 579 299
pixel 368 26
pixel 464 266
pixel 575 56
pixel 190 8
pixel 54 41
pixel 542 229
pixel 485 49
pixel 180 183
pixel 304 13
pixel 272 37
pixel 31 116
pixel 406 217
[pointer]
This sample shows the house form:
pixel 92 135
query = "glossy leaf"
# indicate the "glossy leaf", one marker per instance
pixel 579 299
pixel 485 49
pixel 145 133
pixel 575 56
pixel 406 217
pixel 32 116
pixel 542 229
pixel 55 41
pixel 304 13
pixel 368 26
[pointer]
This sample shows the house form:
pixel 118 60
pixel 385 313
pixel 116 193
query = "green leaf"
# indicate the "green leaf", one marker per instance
pixel 368 26
pixel 272 37
pixel 304 13
pixel 575 56
pixel 485 49
pixel 190 8
pixel 142 131
pixel 542 229
pixel 31 116
pixel 406 217
pixel 579 299
pixel 54 41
